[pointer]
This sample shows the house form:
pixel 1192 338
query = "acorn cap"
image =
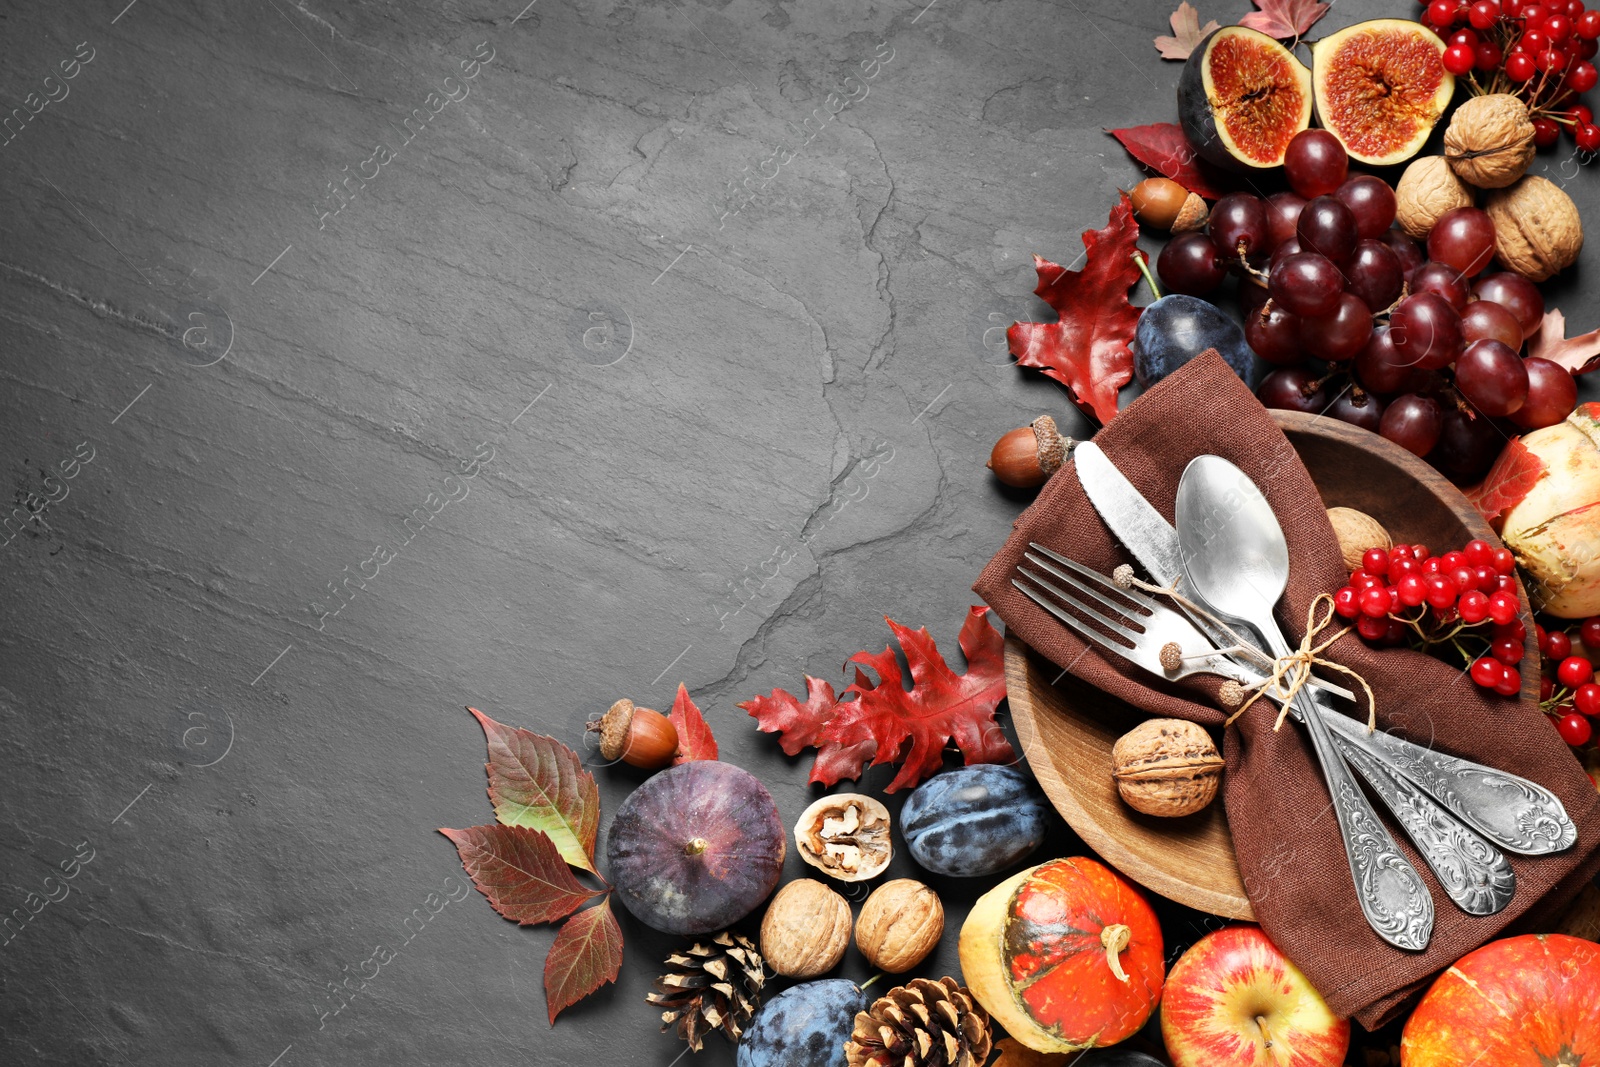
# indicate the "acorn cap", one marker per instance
pixel 614 728
pixel 1052 446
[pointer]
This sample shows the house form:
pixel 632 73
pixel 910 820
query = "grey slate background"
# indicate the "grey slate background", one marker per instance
pixel 678 384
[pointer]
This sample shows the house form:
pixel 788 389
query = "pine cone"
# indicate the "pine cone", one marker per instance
pixel 709 987
pixel 921 1024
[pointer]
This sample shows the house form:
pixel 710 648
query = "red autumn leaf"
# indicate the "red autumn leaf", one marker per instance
pixel 694 736
pixel 940 706
pixel 1163 148
pixel 1187 33
pixel 1511 478
pixel 1580 354
pixel 1285 18
pixel 1087 350
pixel 537 782
pixel 520 871
pixel 797 725
pixel 586 955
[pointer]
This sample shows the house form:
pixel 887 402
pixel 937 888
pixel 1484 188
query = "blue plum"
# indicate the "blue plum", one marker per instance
pixel 804 1026
pixel 1176 328
pixel 974 821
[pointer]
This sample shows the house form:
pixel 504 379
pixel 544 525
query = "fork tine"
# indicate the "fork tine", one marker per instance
pixel 1132 594
pixel 1127 611
pixel 1089 634
pixel 1067 598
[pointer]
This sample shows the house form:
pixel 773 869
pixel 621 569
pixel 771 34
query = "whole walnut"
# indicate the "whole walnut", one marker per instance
pixel 900 923
pixel 1537 231
pixel 806 929
pixel 1357 531
pixel 1490 140
pixel 1166 767
pixel 1427 190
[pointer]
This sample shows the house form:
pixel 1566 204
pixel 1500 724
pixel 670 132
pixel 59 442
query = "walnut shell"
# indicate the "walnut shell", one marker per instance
pixel 1426 191
pixel 900 923
pixel 1537 231
pixel 1166 767
pixel 1490 140
pixel 1357 531
pixel 845 836
pixel 806 929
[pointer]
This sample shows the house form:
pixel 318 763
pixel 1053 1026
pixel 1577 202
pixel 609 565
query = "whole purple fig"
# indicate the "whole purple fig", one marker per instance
pixel 696 848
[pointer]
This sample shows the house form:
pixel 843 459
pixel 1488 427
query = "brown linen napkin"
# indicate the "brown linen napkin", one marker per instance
pixel 1283 826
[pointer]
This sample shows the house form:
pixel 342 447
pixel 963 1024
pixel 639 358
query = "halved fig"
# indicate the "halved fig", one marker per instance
pixel 1381 87
pixel 1242 98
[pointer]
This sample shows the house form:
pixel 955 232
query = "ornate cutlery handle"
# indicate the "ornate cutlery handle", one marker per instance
pixel 1472 871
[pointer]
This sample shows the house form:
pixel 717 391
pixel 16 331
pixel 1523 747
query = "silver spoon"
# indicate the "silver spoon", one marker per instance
pixel 1236 561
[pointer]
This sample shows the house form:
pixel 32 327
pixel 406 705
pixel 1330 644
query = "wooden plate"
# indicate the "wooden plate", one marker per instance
pixel 1067 729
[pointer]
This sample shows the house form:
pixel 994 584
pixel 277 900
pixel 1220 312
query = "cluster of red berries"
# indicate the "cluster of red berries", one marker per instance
pixel 1541 51
pixel 1567 691
pixel 1406 592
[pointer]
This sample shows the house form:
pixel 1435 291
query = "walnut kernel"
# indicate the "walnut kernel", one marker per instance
pixel 806 929
pixel 846 836
pixel 1490 140
pixel 1537 231
pixel 1426 191
pixel 1166 767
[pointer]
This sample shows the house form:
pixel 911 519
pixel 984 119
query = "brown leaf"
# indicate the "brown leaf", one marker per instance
pixel 1580 354
pixel 695 740
pixel 1285 18
pixel 537 782
pixel 586 955
pixel 1186 33
pixel 520 871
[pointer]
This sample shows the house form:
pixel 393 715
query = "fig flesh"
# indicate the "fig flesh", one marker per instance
pixel 1242 98
pixel 1381 87
pixel 696 848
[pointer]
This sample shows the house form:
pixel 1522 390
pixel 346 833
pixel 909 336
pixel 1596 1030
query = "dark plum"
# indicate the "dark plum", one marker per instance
pixel 974 821
pixel 804 1026
pixel 1178 327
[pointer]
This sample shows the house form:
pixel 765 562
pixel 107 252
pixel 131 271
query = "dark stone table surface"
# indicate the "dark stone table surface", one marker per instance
pixel 723 365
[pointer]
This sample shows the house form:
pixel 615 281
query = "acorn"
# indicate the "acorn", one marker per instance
pixel 1026 457
pixel 638 736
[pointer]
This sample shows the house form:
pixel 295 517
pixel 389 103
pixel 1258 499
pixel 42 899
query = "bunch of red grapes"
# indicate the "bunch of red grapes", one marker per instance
pixel 1568 692
pixel 1541 52
pixel 1407 595
pixel 1415 344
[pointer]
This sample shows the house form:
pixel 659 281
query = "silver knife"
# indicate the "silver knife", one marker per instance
pixel 1519 815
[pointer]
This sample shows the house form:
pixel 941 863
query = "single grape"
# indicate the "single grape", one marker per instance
pixel 1290 247
pixel 1273 333
pixel 1467 446
pixel 1374 274
pixel 1340 334
pixel 1552 394
pixel 1291 389
pixel 1407 251
pixel 1379 368
pixel 1283 215
pixel 1328 227
pixel 1190 264
pixel 1239 222
pixel 1426 331
pixel 1371 201
pixel 1307 284
pixel 1359 408
pixel 1491 376
pixel 1442 279
pixel 1464 239
pixel 1315 163
pixel 1412 422
pixel 1486 319
pixel 1515 293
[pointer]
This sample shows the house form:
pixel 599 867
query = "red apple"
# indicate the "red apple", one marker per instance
pixel 1234 1000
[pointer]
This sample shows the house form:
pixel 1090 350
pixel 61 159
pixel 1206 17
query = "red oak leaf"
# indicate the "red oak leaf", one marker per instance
pixel 1163 148
pixel 1580 354
pixel 520 871
pixel 1511 478
pixel 694 736
pixel 797 725
pixel 1186 33
pixel 940 706
pixel 1285 18
pixel 537 782
pixel 1087 350
pixel 586 955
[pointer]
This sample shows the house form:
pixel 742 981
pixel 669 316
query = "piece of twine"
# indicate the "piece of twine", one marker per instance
pixel 1286 675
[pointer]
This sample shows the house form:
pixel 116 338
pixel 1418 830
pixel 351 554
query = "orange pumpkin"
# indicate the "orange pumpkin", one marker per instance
pixel 1529 1001
pixel 1065 956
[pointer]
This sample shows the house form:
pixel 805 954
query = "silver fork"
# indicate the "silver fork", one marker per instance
pixel 1474 874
